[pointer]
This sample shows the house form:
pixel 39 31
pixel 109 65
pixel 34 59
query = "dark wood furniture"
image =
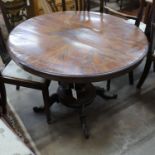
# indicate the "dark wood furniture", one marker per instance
pixel 72 31
pixel 149 18
pixel 79 48
pixel 85 5
pixel 147 10
pixel 129 14
pixel 16 11
pixel 2 95
pixel 3 53
pixel 133 20
pixel 150 56
pixel 13 74
pixel 77 5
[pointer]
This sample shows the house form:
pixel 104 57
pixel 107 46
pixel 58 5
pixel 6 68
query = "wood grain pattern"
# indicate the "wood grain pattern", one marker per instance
pixel 77 46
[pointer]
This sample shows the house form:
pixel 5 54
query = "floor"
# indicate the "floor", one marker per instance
pixel 125 126
pixel 16 146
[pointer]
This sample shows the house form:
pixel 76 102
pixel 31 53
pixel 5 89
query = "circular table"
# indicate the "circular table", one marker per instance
pixel 77 48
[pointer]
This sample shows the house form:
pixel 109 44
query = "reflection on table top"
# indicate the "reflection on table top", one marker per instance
pixel 77 46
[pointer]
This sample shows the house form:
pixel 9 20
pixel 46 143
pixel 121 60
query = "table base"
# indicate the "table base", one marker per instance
pixel 77 96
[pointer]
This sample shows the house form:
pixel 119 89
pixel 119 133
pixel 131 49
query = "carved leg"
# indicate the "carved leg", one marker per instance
pixel 48 101
pixel 46 98
pixel 54 98
pixel 85 94
pixel 145 73
pixel 83 122
pixel 131 79
pixel 106 95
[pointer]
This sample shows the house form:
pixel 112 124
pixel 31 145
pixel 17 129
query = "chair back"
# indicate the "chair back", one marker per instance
pixel 82 5
pixel 150 31
pixel 129 14
pixel 149 21
pixel 61 5
pixel 77 5
pixel 4 56
pixel 16 11
pixel 87 5
pixel 53 5
pixel 140 12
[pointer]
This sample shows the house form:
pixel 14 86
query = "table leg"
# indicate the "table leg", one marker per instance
pixel 54 98
pixel 84 122
pixel 85 94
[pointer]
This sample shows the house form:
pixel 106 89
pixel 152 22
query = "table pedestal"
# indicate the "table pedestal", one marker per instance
pixel 77 96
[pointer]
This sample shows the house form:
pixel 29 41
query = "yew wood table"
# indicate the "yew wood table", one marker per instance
pixel 76 49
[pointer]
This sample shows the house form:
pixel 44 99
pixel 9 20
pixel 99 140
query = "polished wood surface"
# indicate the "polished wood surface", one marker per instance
pixel 77 46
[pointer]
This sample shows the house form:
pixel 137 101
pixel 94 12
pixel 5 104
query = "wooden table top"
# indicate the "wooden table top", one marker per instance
pixel 77 46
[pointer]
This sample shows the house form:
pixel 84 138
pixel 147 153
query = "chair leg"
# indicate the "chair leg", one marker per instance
pixel 46 98
pixel 17 87
pixel 108 85
pixel 154 66
pixel 121 4
pixel 3 97
pixel 131 79
pixel 145 73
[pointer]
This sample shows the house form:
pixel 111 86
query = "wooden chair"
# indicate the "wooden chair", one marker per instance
pixel 86 5
pixel 61 5
pixel 16 11
pixel 137 20
pixel 13 74
pixel 151 55
pixel 128 15
pixel 77 5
